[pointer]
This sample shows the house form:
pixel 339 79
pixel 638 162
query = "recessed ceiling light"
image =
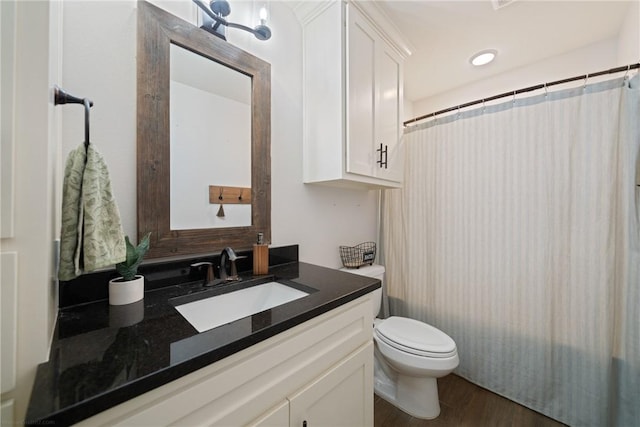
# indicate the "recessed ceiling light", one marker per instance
pixel 483 57
pixel 499 4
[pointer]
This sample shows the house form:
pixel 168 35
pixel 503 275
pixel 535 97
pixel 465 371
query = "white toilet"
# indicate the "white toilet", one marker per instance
pixel 409 356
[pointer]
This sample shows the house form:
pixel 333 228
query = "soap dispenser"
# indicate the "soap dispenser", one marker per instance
pixel 260 256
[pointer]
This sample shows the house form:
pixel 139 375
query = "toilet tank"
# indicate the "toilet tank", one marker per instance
pixel 376 271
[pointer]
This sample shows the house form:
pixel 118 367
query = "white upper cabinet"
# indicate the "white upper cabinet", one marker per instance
pixel 353 65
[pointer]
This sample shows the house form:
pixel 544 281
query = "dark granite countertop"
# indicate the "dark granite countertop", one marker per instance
pixel 103 355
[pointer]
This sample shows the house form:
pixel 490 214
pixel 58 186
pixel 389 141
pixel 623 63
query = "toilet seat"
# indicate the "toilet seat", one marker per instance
pixel 415 337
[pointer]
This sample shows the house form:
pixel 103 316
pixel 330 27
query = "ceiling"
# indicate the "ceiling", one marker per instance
pixel 445 34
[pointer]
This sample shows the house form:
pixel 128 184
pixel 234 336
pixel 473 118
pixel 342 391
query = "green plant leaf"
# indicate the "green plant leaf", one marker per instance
pixel 135 254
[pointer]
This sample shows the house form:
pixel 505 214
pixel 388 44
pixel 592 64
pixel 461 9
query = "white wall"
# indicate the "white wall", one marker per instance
pixel 615 52
pixel 99 50
pixel 629 37
pixel 99 63
pixel 593 58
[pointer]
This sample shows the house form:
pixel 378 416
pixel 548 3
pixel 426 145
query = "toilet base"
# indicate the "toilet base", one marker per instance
pixel 417 396
pixel 424 406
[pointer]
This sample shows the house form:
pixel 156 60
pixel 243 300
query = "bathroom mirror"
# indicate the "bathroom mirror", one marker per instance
pixel 158 33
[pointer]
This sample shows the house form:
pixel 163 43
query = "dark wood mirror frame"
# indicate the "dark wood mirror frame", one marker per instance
pixel 157 29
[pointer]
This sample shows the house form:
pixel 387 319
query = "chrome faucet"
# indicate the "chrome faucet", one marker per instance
pixel 229 255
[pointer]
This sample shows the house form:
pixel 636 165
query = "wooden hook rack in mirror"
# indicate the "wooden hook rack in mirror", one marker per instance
pixel 229 195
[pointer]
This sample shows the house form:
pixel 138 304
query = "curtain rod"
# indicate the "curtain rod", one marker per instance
pixel 527 89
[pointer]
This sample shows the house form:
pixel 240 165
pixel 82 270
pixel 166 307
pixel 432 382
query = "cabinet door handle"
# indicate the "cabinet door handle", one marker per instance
pixel 383 152
pixel 304 423
pixel 386 155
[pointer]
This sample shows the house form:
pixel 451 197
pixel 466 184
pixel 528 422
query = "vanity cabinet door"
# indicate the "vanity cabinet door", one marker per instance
pixel 343 396
pixel 276 417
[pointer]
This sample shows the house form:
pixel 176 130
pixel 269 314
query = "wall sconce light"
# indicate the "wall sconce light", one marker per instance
pixel 214 20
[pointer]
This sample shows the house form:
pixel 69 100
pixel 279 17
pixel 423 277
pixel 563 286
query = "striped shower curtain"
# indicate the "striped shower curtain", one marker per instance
pixel 517 233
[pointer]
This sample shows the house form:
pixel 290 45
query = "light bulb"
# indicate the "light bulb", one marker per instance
pixel 263 14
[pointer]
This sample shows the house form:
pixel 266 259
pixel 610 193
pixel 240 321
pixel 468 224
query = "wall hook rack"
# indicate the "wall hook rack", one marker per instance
pixel 229 195
pixel 62 97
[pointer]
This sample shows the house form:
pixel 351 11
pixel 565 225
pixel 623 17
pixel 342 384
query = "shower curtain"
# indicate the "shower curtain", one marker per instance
pixel 517 234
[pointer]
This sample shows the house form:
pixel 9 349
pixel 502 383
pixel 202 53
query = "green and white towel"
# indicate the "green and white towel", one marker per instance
pixel 91 235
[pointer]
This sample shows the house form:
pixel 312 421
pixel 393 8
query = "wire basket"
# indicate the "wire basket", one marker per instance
pixel 359 255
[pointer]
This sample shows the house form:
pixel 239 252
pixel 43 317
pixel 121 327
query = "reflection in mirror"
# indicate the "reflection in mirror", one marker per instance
pixel 210 119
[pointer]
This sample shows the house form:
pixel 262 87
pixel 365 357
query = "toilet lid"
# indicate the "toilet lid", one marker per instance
pixel 415 337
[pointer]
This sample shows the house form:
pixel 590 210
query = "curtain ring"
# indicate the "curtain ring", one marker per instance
pixel 514 98
pixel 586 77
pixel 483 106
pixel 458 113
pixel 627 72
pixel 545 90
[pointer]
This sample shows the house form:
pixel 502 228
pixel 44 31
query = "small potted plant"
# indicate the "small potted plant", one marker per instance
pixel 130 287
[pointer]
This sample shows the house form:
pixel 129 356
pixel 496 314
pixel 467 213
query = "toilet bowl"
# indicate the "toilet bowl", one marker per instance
pixel 409 357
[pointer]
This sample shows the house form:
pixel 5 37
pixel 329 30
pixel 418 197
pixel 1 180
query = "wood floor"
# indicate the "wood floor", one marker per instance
pixel 463 404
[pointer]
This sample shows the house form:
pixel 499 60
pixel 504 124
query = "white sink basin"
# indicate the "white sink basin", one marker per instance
pixel 215 311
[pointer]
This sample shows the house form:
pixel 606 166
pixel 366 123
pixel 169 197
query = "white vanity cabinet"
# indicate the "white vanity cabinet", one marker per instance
pixel 320 371
pixel 339 397
pixel 353 78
